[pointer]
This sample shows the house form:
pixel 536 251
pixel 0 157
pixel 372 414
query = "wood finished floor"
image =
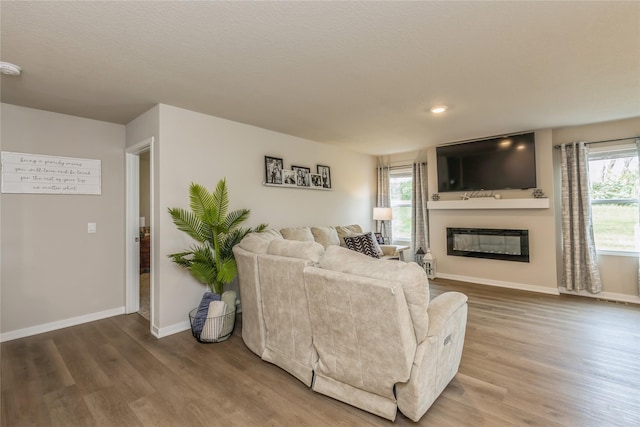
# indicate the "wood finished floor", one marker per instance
pixel 529 359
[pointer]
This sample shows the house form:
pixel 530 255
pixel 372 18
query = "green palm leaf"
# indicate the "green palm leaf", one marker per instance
pixel 230 240
pixel 235 218
pixel 189 223
pixel 181 259
pixel 228 271
pixel 208 222
pixel 221 202
pixel 201 202
pixel 205 274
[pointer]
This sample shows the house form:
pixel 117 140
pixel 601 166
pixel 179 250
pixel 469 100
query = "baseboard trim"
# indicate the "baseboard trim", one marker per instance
pixel 155 331
pixel 170 330
pixel 48 327
pixel 501 284
pixel 608 296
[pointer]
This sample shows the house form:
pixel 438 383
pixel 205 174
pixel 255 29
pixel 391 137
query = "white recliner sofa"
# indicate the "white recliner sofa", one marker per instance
pixel 247 252
pixel 355 328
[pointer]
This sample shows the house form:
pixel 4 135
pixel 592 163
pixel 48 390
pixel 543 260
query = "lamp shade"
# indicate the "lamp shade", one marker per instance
pixel 382 214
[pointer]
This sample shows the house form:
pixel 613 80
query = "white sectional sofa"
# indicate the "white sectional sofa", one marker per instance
pixel 355 328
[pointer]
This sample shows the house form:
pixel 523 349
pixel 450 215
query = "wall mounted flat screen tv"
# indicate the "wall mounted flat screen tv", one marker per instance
pixel 491 164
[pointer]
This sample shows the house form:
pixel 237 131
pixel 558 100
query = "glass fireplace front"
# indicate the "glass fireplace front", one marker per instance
pixel 502 244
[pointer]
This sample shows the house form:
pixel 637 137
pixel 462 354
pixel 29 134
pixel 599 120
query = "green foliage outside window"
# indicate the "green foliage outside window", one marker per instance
pixel 400 191
pixel 614 178
pixel 615 189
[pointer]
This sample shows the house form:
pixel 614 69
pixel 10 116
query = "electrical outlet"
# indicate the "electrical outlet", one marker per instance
pixel 91 227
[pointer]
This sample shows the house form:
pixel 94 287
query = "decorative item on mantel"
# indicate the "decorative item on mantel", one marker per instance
pixel 420 257
pixel 538 193
pixel 435 197
pixel 429 264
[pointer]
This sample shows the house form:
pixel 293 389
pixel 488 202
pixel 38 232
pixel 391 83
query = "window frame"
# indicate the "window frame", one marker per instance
pixel 610 152
pixel 400 172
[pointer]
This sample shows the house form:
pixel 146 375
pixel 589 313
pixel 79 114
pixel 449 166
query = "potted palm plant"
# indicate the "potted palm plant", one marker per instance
pixel 210 260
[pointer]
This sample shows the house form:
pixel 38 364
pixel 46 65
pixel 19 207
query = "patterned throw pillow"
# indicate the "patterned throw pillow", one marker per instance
pixel 362 243
pixel 376 245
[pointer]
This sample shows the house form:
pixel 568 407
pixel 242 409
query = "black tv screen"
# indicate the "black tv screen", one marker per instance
pixel 491 164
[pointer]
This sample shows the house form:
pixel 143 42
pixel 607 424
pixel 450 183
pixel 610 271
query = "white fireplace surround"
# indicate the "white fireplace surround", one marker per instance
pixel 490 203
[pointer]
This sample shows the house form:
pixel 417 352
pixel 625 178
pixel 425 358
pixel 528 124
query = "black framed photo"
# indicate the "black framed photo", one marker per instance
pixel 325 173
pixel 273 167
pixel 316 180
pixel 288 177
pixel 379 238
pixel 302 176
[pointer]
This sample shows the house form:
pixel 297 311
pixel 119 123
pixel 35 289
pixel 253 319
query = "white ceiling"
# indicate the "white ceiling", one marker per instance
pixel 361 75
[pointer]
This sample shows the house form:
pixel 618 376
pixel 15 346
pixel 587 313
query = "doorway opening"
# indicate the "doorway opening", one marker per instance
pixel 145 235
pixel 139 231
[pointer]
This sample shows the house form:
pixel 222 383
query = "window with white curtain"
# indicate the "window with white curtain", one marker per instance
pixel 613 176
pixel 400 182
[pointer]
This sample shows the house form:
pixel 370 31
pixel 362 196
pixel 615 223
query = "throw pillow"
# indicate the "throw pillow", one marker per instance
pixel 376 245
pixel 301 234
pixel 362 243
pixel 326 236
pixel 347 230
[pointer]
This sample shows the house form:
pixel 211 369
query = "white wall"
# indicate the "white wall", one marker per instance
pixel 618 273
pixel 53 272
pixel 194 147
pixel 539 273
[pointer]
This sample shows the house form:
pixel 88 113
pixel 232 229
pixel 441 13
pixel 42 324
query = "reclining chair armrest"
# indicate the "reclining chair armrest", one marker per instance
pixel 437 357
pixel 395 252
pixel 442 308
pixel 389 250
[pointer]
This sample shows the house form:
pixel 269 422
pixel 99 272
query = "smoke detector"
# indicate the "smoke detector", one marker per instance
pixel 10 69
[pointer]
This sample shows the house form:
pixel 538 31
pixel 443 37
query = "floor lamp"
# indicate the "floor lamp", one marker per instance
pixel 383 214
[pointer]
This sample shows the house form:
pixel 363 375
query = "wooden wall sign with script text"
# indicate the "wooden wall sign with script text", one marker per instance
pixel 41 174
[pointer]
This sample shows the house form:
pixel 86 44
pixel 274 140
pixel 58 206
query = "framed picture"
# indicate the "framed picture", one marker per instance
pixel 302 176
pixel 289 177
pixel 273 167
pixel 379 238
pixel 316 180
pixel 325 173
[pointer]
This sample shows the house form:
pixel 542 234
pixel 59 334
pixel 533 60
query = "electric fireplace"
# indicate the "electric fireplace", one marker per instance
pixel 501 244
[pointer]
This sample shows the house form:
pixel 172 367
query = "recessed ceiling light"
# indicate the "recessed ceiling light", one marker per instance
pixel 439 109
pixel 10 69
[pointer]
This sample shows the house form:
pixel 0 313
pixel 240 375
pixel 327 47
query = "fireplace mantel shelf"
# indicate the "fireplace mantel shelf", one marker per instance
pixel 490 203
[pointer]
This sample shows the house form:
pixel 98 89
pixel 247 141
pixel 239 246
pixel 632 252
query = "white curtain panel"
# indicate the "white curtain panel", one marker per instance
pixel 383 200
pixel 580 269
pixel 419 214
